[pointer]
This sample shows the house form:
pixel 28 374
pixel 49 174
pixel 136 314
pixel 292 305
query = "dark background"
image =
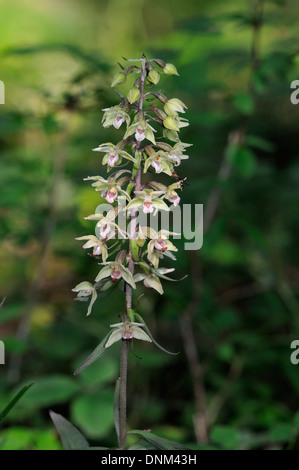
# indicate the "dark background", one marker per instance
pixel 235 316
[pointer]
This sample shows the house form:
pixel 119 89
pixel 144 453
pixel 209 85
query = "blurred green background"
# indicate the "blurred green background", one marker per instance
pixel 234 317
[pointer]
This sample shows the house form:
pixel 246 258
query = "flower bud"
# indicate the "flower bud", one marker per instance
pixel 119 77
pixel 160 113
pixel 171 124
pixel 159 62
pixel 133 95
pixel 174 106
pixel 154 77
pixel 170 69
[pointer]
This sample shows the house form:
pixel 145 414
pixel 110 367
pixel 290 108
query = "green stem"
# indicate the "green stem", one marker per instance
pixel 124 346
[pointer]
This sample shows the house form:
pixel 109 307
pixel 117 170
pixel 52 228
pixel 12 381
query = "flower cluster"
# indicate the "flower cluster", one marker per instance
pixel 150 144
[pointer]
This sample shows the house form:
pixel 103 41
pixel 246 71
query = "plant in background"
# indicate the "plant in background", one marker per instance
pixel 132 255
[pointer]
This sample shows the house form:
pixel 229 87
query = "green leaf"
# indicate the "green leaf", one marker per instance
pixel 96 448
pixel 140 320
pixel 96 354
pixel 10 312
pixel 225 436
pixel 12 403
pixel 244 161
pixel 259 143
pixel 143 444
pixel 100 373
pixel 71 437
pixel 94 413
pixel 244 103
pixel 296 419
pixel 281 432
pixel 48 391
pixel 160 442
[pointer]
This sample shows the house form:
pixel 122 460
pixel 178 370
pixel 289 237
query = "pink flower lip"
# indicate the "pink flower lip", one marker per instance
pixel 157 165
pixel 104 231
pixel 118 121
pixel 111 195
pixel 161 245
pixel 140 134
pixel 175 199
pixel 113 158
pixel 175 158
pixel 127 335
pixel 115 275
pixel 148 207
pixel 97 250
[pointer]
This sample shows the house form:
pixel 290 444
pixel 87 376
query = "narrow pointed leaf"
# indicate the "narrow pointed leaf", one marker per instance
pixel 71 437
pixel 160 442
pixel 96 354
pixel 14 401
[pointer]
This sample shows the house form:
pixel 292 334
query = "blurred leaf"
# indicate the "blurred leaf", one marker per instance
pixel 227 437
pixel 259 143
pixel 94 413
pixel 159 442
pixel 245 162
pixel 70 437
pixel 244 103
pixel 10 312
pixel 99 373
pixel 13 402
pixel 281 432
pixel 49 390
pixel 143 444
pixel 77 52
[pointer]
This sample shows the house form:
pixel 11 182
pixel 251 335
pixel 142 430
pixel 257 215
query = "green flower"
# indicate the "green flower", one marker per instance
pixel 174 106
pixel 99 246
pixel 142 130
pixel 160 162
pixel 148 200
pixel 85 289
pixel 116 270
pixel 159 245
pixel 127 330
pixel 152 280
pixel 115 116
pixel 113 154
pixel 111 187
pixel 106 225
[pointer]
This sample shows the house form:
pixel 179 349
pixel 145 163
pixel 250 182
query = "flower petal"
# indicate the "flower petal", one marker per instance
pixel 105 272
pixel 138 333
pixel 116 335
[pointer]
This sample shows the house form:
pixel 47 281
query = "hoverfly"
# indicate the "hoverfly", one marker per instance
pixel 181 180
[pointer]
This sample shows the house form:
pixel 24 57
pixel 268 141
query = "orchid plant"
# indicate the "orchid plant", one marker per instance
pixel 138 252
